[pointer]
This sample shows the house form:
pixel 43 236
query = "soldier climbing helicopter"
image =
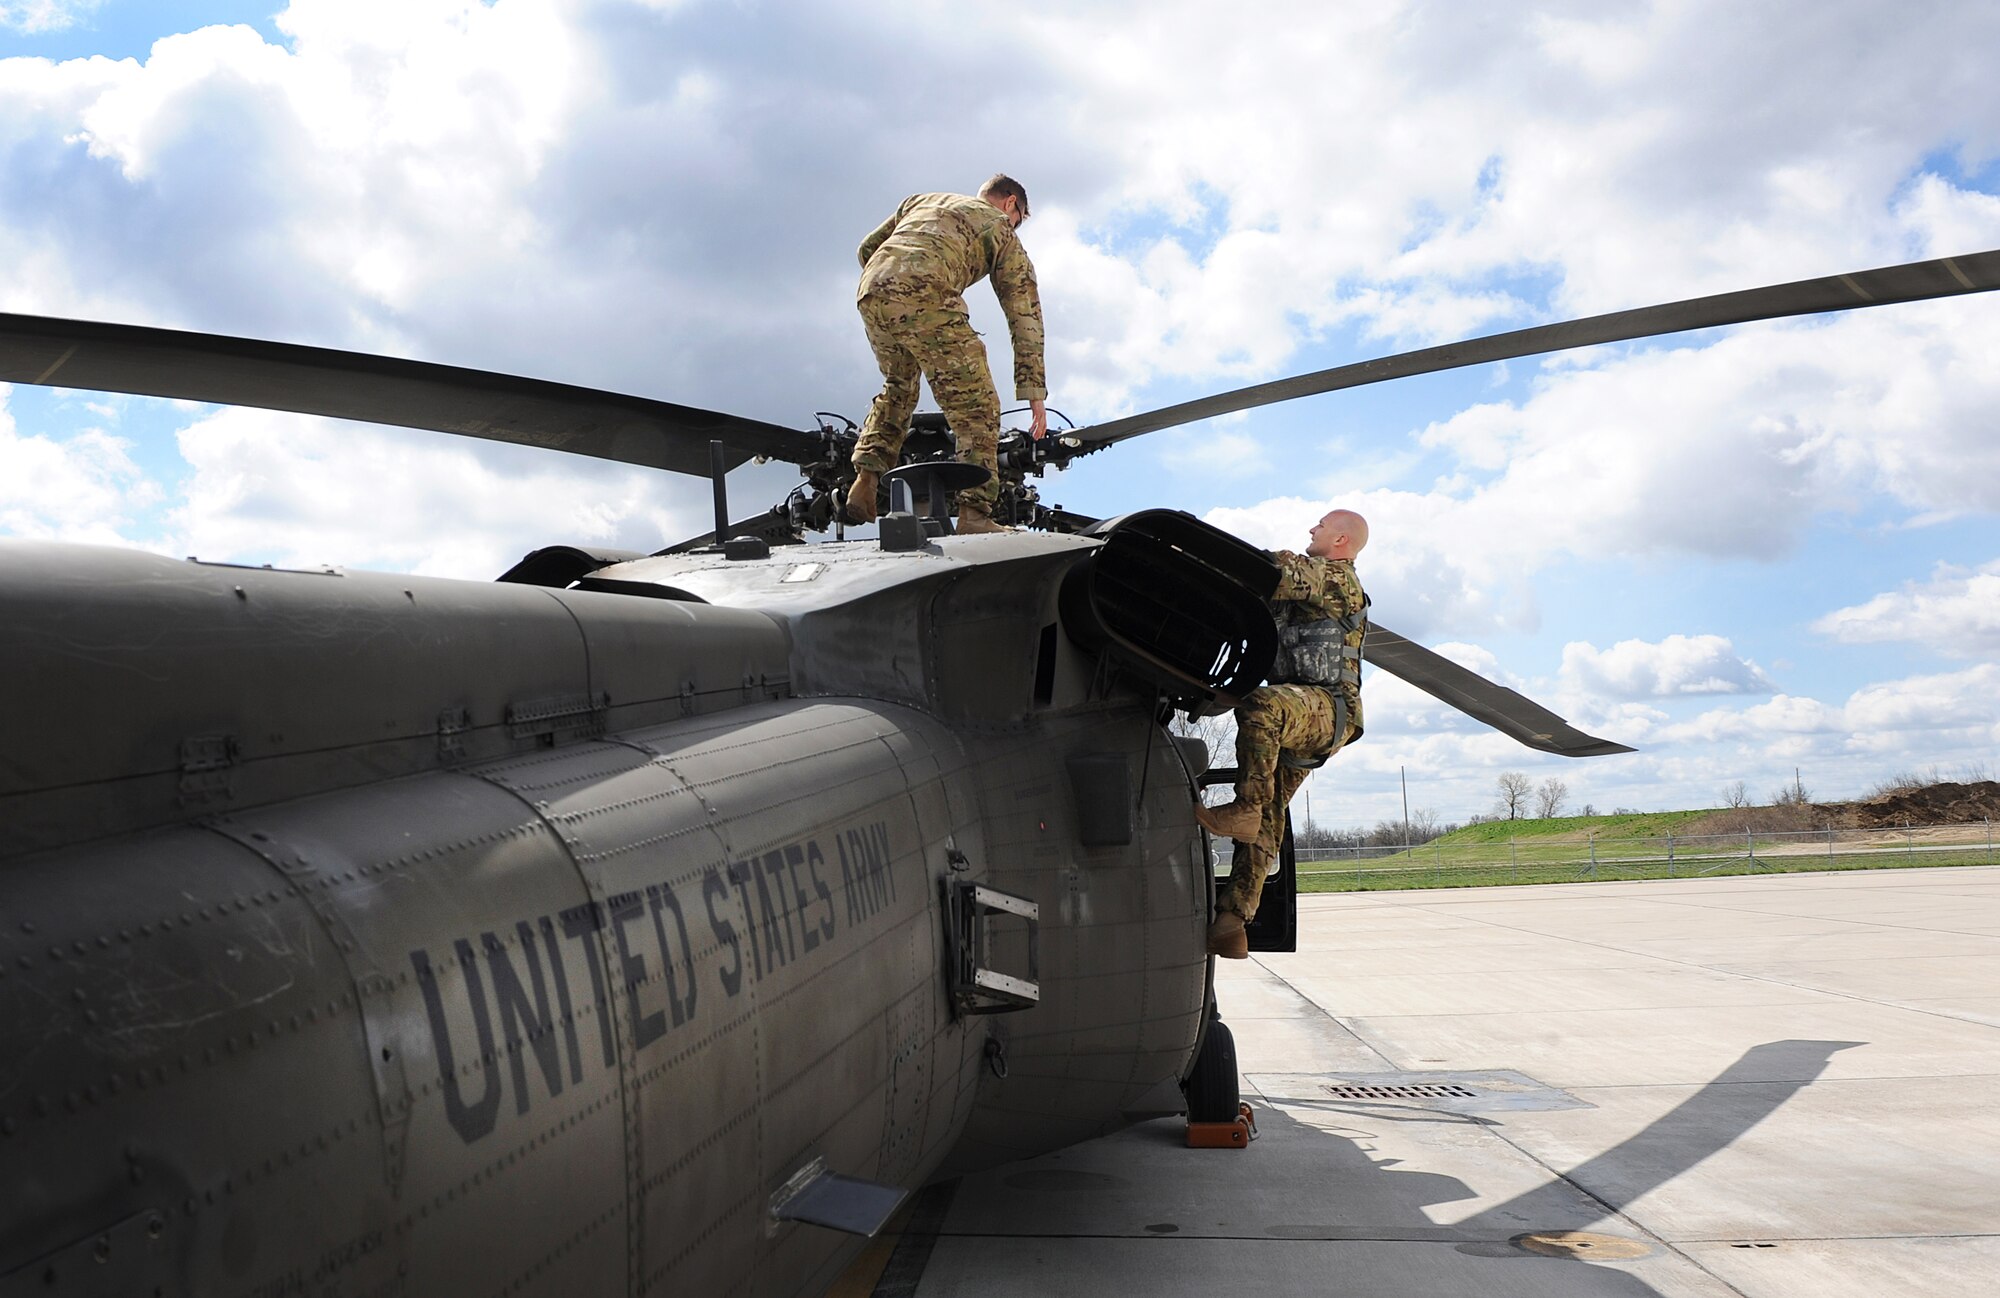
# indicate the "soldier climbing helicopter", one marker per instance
pixel 632 922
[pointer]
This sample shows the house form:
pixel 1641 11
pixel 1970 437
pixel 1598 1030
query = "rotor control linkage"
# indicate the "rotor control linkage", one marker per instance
pixel 1023 454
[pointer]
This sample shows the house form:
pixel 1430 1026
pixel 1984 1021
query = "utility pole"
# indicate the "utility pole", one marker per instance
pixel 1401 775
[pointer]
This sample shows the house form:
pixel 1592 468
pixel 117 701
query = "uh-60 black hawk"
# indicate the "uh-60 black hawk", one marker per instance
pixel 635 923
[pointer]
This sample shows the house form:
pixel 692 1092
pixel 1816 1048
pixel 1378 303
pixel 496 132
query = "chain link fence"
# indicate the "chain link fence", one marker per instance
pixel 1533 859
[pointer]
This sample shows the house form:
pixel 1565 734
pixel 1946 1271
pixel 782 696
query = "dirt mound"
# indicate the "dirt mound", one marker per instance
pixel 1934 804
pixel 1792 818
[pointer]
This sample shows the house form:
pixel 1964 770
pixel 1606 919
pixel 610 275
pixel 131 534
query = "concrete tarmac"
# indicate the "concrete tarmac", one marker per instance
pixel 1768 1086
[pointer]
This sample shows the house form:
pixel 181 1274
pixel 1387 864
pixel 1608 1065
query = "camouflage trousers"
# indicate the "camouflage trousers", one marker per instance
pixel 914 331
pixel 1275 719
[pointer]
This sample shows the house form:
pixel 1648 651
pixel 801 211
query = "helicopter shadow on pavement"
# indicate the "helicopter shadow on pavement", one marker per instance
pixel 1340 1197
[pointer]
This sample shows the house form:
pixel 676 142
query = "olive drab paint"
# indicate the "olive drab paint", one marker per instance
pixel 544 975
pixel 782 898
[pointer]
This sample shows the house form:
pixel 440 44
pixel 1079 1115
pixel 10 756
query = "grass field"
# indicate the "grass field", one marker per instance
pixel 1642 845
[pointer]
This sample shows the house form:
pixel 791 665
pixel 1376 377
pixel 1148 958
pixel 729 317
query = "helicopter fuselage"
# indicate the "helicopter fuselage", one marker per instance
pixel 373 934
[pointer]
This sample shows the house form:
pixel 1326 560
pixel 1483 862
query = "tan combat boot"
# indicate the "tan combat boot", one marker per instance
pixel 861 496
pixel 1227 937
pixel 973 522
pixel 1238 820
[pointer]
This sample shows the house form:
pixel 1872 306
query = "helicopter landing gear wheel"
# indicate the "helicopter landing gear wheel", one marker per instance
pixel 1212 1092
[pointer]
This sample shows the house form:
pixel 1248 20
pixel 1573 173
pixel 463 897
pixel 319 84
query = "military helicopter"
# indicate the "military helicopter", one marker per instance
pixel 632 923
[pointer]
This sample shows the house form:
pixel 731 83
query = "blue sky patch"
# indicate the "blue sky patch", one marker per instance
pixel 127 29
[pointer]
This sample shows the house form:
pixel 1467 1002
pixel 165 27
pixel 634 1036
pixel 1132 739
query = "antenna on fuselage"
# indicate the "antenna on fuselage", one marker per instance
pixel 747 547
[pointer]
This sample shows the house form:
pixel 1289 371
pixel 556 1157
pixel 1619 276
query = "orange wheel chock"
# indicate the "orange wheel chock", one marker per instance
pixel 1224 1135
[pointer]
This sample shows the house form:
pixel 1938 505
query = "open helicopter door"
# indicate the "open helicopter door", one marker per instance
pixel 1276 927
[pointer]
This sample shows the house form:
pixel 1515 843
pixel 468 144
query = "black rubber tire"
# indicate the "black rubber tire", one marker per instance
pixel 1212 1092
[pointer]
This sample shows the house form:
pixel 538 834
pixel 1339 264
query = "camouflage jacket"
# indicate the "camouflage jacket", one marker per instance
pixel 1312 593
pixel 937 246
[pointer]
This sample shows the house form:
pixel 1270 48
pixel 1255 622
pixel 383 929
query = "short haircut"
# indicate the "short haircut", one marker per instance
pixel 1006 187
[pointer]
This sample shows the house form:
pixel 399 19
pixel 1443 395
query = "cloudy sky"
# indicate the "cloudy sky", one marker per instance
pixel 1741 551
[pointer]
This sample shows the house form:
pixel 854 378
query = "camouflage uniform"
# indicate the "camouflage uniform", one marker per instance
pixel 915 266
pixel 1303 720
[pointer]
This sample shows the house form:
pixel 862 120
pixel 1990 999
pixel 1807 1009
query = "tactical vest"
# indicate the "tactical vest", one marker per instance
pixel 1326 652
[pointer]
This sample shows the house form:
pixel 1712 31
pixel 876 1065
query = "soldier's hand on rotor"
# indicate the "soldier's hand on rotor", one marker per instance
pixel 1041 424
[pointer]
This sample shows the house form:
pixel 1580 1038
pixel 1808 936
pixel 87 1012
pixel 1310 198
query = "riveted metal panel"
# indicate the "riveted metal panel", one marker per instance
pixel 818 881
pixel 767 932
pixel 141 981
pixel 310 680
pixel 1122 961
pixel 465 929
pixel 144 691
pixel 655 661
pixel 351 1030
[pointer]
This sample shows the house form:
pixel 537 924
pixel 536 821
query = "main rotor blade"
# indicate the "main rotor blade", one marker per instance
pixel 1507 711
pixel 1977 272
pixel 382 390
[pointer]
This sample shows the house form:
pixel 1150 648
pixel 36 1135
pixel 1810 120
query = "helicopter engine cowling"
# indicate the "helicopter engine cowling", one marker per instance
pixel 1177 603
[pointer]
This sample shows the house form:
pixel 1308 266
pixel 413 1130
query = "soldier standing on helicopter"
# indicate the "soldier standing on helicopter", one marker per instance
pixel 914 266
pixel 1311 708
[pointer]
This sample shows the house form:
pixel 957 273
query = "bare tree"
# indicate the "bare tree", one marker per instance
pixel 1514 789
pixel 1794 794
pixel 1736 795
pixel 1426 824
pixel 1549 798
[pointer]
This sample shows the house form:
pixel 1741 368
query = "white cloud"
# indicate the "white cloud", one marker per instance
pixel 1956 612
pixel 295 490
pixel 32 16
pixel 1965 702
pixel 1391 153
pixel 81 488
pixel 1731 450
pixel 1922 720
pixel 1318 169
pixel 1784 715
pixel 1678 665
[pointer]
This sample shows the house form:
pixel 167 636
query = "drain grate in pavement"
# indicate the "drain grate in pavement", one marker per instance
pixel 1444 1091
pixel 1497 1090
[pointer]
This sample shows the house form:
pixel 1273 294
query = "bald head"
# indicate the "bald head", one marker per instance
pixel 1340 535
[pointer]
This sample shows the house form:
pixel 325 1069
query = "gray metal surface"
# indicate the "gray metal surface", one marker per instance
pixel 156 689
pixel 521 940
pixel 841 1203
